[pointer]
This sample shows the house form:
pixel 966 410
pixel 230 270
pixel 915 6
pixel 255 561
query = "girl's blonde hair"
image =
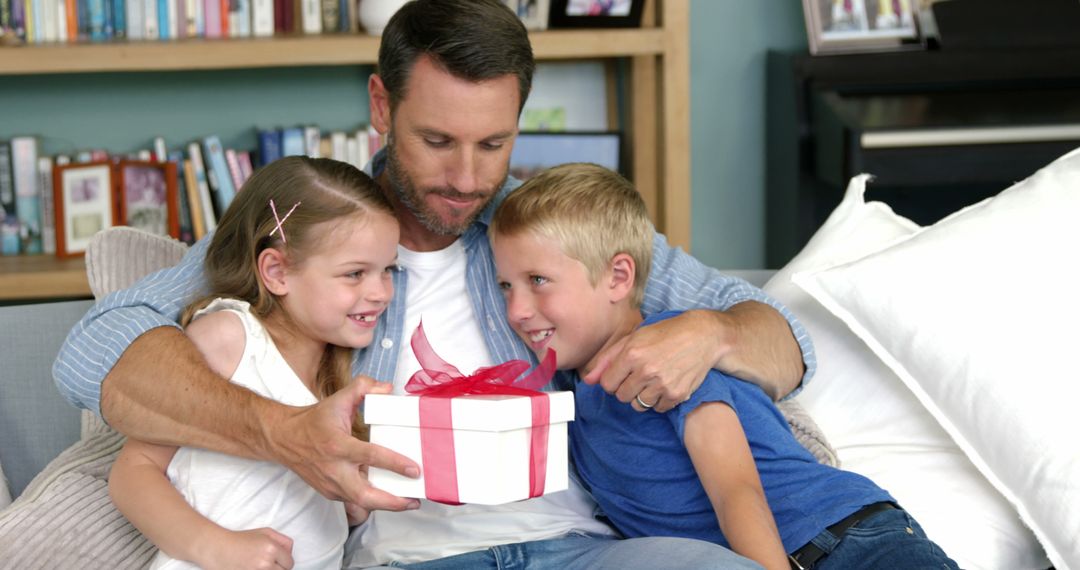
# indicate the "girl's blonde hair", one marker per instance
pixel 326 190
pixel 593 214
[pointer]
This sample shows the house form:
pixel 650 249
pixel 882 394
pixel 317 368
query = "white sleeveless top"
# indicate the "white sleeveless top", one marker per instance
pixel 242 494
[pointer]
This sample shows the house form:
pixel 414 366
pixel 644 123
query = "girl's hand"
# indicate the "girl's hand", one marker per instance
pixel 256 549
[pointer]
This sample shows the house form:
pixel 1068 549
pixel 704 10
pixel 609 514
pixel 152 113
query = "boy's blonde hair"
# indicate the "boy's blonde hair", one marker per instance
pixel 592 213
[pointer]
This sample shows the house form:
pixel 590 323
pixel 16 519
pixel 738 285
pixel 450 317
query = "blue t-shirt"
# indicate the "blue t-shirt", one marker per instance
pixel 639 471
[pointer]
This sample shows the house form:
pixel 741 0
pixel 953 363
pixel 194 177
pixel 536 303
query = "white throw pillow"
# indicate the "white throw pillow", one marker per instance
pixel 878 427
pixel 978 316
pixel 5 494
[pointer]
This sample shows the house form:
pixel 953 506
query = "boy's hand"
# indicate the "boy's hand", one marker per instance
pixel 661 364
pixel 256 549
pixel 316 443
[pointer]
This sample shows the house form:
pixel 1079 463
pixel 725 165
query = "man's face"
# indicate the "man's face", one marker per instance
pixel 448 149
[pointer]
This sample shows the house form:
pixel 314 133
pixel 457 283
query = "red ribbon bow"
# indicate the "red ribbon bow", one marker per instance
pixel 438 382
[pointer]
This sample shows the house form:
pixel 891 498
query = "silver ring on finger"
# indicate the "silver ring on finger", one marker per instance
pixel 642 403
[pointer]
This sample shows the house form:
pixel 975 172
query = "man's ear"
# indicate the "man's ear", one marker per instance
pixel 272 266
pixel 380 104
pixel 621 277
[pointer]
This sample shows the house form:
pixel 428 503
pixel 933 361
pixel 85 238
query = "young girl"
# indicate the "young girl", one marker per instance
pixel 298 273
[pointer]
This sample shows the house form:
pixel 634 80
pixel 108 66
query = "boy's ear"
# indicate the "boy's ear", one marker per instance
pixel 272 266
pixel 380 104
pixel 621 277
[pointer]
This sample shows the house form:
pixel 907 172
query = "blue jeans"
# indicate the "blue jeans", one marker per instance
pixel 588 552
pixel 889 539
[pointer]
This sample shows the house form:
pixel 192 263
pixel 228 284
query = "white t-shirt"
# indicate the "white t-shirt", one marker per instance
pixel 243 494
pixel 437 293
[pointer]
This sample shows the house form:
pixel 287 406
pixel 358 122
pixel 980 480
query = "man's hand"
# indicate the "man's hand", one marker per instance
pixel 660 365
pixel 316 443
pixel 256 549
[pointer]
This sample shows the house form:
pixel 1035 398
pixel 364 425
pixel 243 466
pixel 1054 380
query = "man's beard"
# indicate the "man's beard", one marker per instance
pixel 413 197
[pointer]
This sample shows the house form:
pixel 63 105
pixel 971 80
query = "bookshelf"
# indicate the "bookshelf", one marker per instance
pixel 658 104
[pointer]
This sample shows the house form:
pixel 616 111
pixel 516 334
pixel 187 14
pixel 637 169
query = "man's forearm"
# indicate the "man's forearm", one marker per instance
pixel 162 391
pixel 757 345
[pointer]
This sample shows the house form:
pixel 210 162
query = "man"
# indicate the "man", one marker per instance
pixel 453 77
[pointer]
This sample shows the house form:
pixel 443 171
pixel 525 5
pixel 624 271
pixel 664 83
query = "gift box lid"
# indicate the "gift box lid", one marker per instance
pixel 482 413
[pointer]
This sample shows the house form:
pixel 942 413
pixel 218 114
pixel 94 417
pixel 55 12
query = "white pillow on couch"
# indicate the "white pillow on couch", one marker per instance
pixel 876 424
pixel 977 315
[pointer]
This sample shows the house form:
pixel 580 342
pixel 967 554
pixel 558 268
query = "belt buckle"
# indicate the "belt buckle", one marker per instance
pixel 795 563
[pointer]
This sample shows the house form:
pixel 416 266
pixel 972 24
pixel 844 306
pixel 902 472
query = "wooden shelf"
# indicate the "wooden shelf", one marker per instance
pixel 42 277
pixel 289 52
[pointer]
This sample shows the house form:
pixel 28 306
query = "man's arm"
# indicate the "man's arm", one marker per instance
pixel 128 361
pixel 736 328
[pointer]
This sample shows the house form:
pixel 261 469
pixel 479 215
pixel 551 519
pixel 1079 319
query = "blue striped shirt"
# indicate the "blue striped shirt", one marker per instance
pixel 677 282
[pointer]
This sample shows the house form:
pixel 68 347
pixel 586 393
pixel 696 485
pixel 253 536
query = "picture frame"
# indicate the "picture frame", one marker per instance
pixel 84 202
pixel 536 151
pixel 837 26
pixel 595 13
pixel 147 196
pixel 532 13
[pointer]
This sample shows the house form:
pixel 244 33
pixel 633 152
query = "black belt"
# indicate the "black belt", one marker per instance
pixel 805 557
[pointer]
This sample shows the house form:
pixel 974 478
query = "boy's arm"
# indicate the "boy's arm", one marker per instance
pixel 141 491
pixel 737 329
pixel 717 445
pixel 128 361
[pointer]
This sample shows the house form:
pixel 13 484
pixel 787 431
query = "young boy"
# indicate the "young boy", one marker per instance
pixel 572 250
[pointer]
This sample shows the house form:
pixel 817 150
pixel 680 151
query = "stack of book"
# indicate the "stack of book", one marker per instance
pixel 68 21
pixel 54 204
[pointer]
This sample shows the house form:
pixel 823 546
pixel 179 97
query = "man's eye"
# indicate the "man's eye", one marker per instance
pixel 491 145
pixel 437 143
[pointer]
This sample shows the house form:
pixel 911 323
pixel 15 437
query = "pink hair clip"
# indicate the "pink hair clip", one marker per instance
pixel 279 221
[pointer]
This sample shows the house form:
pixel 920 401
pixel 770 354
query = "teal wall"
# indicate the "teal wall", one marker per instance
pixel 728 42
pixel 122 112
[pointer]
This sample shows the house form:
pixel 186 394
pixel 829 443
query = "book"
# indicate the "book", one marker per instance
pixel 183 210
pixel 239 18
pixel 136 28
pixel 338 146
pixel 212 18
pixel 202 188
pixel 119 18
pixel 311 141
pixel 150 19
pixel 262 18
pixel 48 212
pixel 244 159
pixel 331 15
pixel 292 141
pixel 269 145
pixel 234 168
pixel 217 173
pixel 193 192
pixel 9 222
pixel 24 155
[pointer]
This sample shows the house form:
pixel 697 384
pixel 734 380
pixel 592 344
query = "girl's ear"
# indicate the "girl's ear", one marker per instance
pixel 380 104
pixel 272 266
pixel 621 277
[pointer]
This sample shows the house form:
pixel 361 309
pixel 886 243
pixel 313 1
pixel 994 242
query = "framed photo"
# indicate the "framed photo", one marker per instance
pixel 595 13
pixel 535 151
pixel 861 25
pixel 533 13
pixel 148 196
pixel 84 203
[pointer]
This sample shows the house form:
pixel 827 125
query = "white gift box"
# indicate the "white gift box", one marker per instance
pixel 492 438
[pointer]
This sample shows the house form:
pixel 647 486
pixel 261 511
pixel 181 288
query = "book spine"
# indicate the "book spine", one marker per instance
pixel 223 10
pixel 119 12
pixel 330 10
pixel 24 154
pixel 179 21
pixel 203 187
pixel 150 19
pixel 338 146
pixel 50 30
pixel 9 222
pixel 18 19
pixel 33 21
pixel 163 19
pixel 311 141
pixel 311 16
pixel 234 168
pixel 292 141
pixel 262 18
pixel 198 220
pixel 182 207
pixel 217 171
pixel 134 17
pixel 244 158
pixel 5 17
pixel 48 212
pixel 96 13
pixel 212 18
pixel 269 146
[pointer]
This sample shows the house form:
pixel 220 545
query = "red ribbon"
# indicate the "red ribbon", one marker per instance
pixel 438 382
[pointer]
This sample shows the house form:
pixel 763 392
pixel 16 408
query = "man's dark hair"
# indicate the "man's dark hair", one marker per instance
pixel 475 40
